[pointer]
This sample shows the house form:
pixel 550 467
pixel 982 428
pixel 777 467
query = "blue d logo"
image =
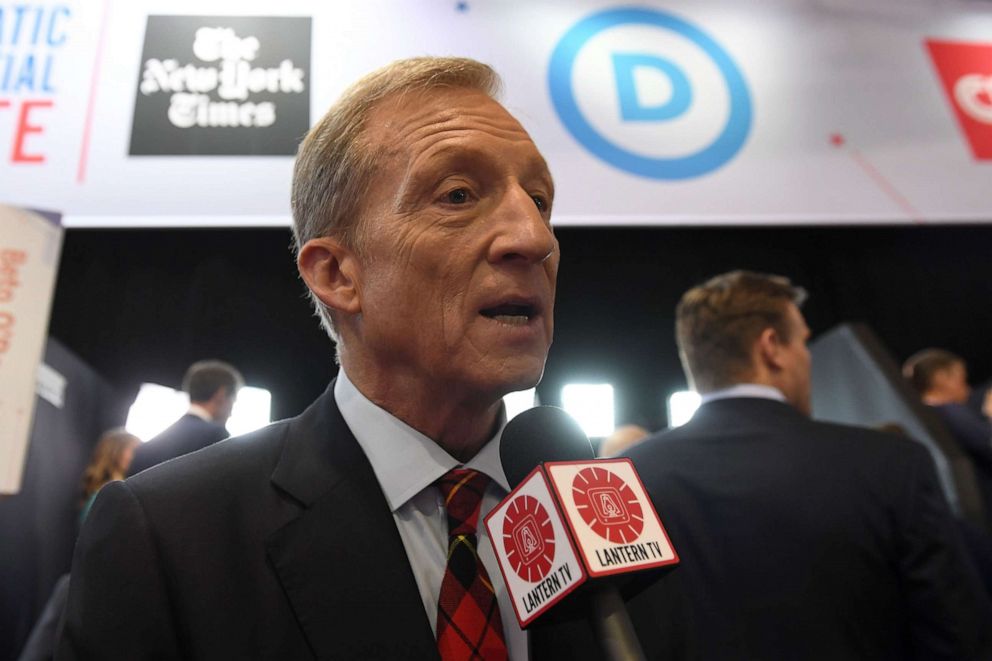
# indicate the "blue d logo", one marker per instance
pixel 633 108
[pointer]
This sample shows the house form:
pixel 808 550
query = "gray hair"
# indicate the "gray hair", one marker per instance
pixel 334 164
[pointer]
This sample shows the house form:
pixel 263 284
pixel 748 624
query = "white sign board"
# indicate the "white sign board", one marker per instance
pixel 654 112
pixel 536 556
pixel 29 257
pixel 615 525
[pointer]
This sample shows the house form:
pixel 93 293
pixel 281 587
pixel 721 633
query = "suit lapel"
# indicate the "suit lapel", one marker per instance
pixel 341 562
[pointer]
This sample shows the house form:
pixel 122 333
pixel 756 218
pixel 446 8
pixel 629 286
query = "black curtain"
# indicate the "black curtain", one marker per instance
pixel 141 305
pixel 38 526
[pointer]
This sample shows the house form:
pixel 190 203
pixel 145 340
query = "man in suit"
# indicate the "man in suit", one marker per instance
pixel 797 539
pixel 941 378
pixel 213 387
pixel 422 224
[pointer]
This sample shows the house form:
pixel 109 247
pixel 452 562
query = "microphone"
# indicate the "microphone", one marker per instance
pixel 570 518
pixel 543 433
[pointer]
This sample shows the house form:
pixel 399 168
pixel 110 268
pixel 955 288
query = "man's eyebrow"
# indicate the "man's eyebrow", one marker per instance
pixel 462 155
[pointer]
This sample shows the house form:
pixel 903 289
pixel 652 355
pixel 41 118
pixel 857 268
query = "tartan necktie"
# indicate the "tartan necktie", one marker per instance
pixel 468 622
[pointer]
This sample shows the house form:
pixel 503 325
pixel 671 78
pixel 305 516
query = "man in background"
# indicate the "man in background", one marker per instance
pixel 941 378
pixel 798 539
pixel 213 387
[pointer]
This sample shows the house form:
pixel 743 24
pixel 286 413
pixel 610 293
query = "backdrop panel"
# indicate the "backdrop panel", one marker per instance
pixel 678 112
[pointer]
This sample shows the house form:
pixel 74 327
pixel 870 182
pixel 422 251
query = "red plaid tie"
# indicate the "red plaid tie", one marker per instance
pixel 468 623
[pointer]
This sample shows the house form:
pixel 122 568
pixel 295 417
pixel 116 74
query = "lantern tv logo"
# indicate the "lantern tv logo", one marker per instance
pixel 965 71
pixel 608 505
pixel 529 539
pixel 222 85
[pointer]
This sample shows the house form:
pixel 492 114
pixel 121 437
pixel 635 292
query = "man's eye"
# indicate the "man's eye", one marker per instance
pixel 457 196
pixel 542 204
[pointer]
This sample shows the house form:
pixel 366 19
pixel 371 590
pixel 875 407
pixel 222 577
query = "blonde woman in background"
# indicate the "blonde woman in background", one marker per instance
pixel 110 461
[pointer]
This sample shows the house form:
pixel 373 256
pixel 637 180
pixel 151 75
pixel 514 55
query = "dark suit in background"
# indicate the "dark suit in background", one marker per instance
pixel 187 434
pixel 806 540
pixel 973 432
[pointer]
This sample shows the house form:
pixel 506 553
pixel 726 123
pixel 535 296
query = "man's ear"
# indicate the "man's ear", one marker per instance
pixel 769 347
pixel 331 272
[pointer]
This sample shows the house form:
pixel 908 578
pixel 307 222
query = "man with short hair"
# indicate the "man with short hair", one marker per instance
pixel 213 387
pixel 422 220
pixel 941 378
pixel 797 539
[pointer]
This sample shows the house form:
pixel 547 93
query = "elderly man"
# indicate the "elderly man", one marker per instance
pixel 798 539
pixel 422 219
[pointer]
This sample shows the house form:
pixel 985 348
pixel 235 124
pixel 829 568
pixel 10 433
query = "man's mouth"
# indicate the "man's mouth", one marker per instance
pixel 512 314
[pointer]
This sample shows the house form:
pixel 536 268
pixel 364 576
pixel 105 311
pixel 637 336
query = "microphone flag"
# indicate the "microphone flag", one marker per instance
pixel 569 521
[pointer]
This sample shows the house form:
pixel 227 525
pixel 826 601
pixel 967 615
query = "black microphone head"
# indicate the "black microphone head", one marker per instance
pixel 543 433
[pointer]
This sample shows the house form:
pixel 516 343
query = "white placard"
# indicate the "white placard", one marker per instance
pixel 51 385
pixel 29 255
pixel 612 519
pixel 536 556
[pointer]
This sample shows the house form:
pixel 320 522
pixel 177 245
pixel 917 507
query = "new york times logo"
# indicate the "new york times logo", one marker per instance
pixel 222 86
pixel 232 77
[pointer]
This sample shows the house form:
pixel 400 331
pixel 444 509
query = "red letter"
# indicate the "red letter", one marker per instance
pixel 23 128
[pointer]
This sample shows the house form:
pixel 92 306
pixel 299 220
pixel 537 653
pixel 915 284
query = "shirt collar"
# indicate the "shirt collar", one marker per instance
pixel 743 390
pixel 405 461
pixel 200 412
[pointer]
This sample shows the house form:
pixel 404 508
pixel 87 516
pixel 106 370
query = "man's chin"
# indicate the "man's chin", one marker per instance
pixel 522 382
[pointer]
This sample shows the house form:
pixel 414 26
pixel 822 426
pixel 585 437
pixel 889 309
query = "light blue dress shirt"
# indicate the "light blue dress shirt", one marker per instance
pixel 743 390
pixel 406 464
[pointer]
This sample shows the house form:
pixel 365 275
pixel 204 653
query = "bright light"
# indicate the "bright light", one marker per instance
pixel 518 402
pixel 682 406
pixel 156 407
pixel 252 410
pixel 591 404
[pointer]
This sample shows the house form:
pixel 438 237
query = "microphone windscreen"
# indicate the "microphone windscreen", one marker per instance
pixel 543 433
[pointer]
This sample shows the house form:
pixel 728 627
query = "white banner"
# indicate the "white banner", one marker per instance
pixel 29 257
pixel 774 111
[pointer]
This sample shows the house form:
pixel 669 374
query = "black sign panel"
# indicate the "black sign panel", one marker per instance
pixel 222 85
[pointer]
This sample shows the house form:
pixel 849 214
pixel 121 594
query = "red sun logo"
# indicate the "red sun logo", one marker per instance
pixel 608 505
pixel 528 538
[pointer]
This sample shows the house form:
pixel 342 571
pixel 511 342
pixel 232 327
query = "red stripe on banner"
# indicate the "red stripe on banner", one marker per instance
pixel 94 80
pixel 886 186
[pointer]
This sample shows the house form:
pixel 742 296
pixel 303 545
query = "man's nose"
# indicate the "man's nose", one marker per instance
pixel 524 234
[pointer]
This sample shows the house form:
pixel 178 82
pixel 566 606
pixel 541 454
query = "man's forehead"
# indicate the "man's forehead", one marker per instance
pixel 403 117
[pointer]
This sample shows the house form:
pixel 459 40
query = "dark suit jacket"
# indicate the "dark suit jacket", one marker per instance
pixel 973 432
pixel 806 540
pixel 275 545
pixel 187 434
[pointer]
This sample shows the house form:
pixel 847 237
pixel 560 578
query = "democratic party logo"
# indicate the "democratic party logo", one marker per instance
pixel 608 505
pixel 965 71
pixel 222 85
pixel 529 539
pixel 650 93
